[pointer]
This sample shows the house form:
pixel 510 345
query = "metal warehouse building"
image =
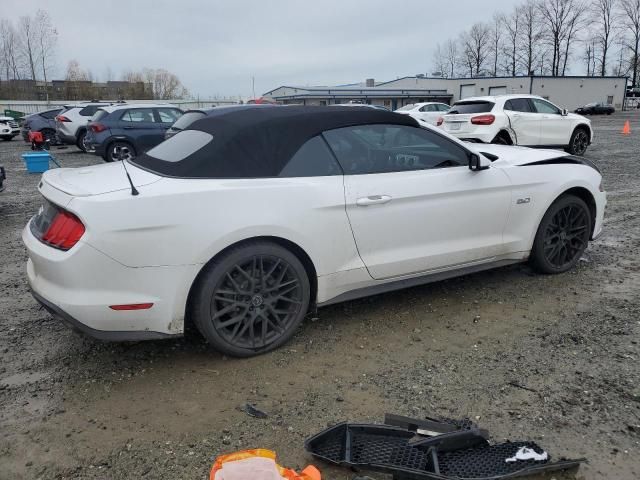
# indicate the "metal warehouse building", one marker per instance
pixel 567 92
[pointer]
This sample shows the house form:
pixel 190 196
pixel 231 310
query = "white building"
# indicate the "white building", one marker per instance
pixel 567 92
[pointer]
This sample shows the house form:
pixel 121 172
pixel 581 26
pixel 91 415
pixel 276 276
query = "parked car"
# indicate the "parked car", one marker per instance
pixel 43 122
pixel 71 123
pixel 244 222
pixel 191 116
pixel 3 177
pixel 121 132
pixel 526 120
pixel 596 109
pixel 428 112
pixel 8 128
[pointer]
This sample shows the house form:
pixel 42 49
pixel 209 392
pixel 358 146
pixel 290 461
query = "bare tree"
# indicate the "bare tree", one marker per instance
pixel 29 43
pixel 452 55
pixel 440 60
pixel 561 20
pixel 75 73
pixel 46 36
pixel 529 36
pixel 496 33
pixel 475 45
pixel 512 27
pixel 9 51
pixel 604 18
pixel 631 20
pixel 590 57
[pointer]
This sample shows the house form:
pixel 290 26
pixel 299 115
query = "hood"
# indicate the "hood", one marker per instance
pixel 97 179
pixel 516 156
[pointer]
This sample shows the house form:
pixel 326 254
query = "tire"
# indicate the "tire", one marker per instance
pixel 234 306
pixel 50 135
pixel 117 151
pixel 502 138
pixel 562 236
pixel 579 142
pixel 80 143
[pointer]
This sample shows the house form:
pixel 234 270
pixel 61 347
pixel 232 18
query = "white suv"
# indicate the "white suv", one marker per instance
pixel 8 128
pixel 526 120
pixel 71 123
pixel 427 112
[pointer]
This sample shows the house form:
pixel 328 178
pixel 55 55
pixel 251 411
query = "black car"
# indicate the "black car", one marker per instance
pixel 122 132
pixel 44 122
pixel 596 109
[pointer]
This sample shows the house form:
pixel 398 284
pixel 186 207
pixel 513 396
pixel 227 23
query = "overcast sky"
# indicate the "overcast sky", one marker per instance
pixel 215 47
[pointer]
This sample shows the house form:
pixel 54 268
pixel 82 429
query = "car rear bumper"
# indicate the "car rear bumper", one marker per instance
pixel 81 284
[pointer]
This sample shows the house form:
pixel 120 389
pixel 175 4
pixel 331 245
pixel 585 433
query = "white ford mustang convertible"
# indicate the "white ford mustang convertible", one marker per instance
pixel 246 221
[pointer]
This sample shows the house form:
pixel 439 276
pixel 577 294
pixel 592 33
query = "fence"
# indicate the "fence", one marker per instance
pixel 29 107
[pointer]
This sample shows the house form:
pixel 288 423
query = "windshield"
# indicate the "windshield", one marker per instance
pixel 187 119
pixel 472 107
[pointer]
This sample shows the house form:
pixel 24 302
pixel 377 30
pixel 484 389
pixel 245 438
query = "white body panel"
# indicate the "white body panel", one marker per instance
pixel 151 247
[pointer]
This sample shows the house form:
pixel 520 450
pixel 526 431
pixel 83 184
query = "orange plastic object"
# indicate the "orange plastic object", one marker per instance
pixel 627 128
pixel 258 464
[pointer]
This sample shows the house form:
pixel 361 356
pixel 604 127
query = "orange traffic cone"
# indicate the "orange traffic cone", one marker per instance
pixel 627 128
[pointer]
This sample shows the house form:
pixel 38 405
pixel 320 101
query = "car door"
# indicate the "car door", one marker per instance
pixel 139 127
pixel 555 129
pixel 413 203
pixel 164 118
pixel 524 121
pixel 429 114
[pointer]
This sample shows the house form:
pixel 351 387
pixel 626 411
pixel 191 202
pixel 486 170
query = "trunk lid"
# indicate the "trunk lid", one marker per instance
pixel 97 179
pixel 457 123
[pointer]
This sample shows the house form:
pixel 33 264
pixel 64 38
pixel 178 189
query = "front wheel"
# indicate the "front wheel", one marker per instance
pixel 251 299
pixel 579 142
pixel 562 236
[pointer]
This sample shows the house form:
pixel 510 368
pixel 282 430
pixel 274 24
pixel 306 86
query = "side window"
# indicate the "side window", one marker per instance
pixel 89 110
pixel 51 114
pixel 168 115
pixel 545 107
pixel 138 115
pixel 370 149
pixel 314 159
pixel 518 105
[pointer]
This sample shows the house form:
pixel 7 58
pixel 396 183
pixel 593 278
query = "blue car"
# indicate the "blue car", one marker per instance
pixel 43 122
pixel 121 132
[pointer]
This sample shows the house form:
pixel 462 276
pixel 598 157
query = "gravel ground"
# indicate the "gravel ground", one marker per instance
pixel 72 407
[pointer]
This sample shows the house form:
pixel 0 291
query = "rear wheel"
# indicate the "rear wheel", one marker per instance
pixel 502 138
pixel 81 143
pixel 49 135
pixel 251 299
pixel 120 151
pixel 579 142
pixel 562 236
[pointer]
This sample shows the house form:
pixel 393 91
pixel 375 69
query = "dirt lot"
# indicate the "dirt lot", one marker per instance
pixel 72 407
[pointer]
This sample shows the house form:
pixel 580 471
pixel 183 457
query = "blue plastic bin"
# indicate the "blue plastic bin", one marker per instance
pixel 37 162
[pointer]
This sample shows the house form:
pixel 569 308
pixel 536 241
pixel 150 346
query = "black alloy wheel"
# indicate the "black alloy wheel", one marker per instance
pixel 252 299
pixel 563 235
pixel 579 142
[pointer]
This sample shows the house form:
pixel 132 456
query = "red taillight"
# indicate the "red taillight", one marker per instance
pixel 62 118
pixel 131 306
pixel 483 119
pixel 97 127
pixel 64 232
pixel 440 121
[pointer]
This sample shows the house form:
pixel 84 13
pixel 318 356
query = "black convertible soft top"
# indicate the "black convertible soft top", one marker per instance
pixel 259 142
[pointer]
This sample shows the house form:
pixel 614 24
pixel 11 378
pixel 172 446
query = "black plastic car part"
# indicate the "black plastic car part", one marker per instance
pixel 414 449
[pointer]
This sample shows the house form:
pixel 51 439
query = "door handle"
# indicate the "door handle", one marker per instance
pixel 373 200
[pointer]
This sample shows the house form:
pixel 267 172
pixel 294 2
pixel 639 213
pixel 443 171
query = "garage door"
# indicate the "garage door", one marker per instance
pixel 467 91
pixel 497 90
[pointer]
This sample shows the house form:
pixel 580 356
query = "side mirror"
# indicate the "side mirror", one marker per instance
pixel 477 163
pixel 564 112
